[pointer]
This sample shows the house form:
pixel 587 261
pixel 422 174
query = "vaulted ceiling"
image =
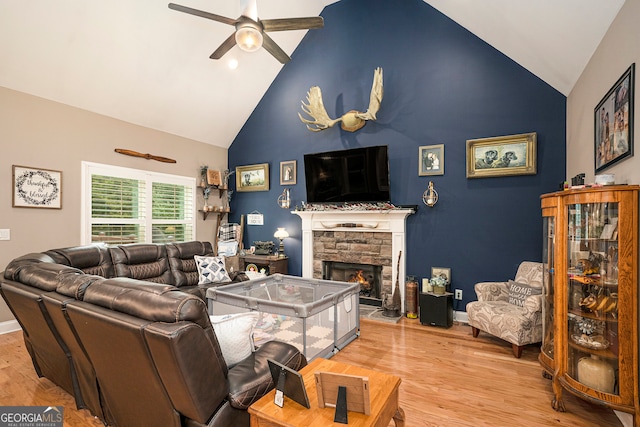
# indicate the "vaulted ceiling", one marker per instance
pixel 141 62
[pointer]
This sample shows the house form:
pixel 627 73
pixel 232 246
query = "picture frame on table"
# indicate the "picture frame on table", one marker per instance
pixel 288 172
pixel 502 156
pixel 443 272
pixel 36 188
pixel 252 177
pixel 613 122
pixel 431 160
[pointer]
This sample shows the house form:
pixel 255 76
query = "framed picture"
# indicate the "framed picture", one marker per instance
pixel 252 177
pixel 443 272
pixel 288 172
pixel 613 123
pixel 431 160
pixel 502 156
pixel 36 188
pixel 214 177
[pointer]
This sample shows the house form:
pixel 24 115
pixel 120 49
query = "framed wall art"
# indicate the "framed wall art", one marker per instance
pixel 613 123
pixel 288 172
pixel 502 156
pixel 431 160
pixel 252 177
pixel 37 188
pixel 443 272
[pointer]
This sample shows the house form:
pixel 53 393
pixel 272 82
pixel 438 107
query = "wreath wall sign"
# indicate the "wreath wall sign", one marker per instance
pixel 36 188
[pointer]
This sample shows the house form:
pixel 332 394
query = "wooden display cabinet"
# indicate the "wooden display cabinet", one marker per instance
pixel 549 213
pixel 592 296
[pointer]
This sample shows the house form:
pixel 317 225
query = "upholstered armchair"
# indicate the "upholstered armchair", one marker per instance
pixel 510 310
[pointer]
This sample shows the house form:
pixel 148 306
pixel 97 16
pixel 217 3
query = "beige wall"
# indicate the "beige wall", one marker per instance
pixel 39 133
pixel 617 51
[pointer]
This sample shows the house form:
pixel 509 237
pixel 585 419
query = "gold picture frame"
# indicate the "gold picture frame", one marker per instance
pixel 36 188
pixel 431 160
pixel 288 172
pixel 502 156
pixel 252 177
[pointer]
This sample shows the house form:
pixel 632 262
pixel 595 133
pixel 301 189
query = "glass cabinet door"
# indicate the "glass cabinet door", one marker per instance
pixel 548 232
pixel 592 286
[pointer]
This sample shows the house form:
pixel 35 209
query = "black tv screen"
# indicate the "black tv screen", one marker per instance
pixel 354 175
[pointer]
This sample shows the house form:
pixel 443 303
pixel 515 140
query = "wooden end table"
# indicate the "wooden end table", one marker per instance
pixel 383 392
pixel 272 263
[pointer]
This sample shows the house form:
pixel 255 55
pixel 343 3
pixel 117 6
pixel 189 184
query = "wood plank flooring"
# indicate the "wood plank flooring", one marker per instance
pixel 448 379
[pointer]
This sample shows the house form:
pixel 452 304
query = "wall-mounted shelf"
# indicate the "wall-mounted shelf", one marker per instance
pixel 218 212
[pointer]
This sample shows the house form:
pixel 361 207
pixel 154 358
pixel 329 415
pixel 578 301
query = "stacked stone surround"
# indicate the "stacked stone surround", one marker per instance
pixel 359 247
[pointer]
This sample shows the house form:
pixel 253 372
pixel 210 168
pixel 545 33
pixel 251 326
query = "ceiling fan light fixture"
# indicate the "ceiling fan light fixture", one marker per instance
pixel 249 38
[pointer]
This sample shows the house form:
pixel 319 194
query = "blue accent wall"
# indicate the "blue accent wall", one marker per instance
pixel 442 85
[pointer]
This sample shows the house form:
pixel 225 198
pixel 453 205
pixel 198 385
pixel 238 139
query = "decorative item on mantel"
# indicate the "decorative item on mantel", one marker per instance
pixel 362 206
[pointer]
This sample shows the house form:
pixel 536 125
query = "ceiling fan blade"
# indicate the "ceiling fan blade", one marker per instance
pixel 202 14
pixel 224 47
pixel 292 23
pixel 275 50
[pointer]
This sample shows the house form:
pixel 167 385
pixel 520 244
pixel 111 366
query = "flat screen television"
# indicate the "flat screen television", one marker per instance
pixel 343 176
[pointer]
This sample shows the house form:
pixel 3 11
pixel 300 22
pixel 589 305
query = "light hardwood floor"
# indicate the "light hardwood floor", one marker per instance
pixel 448 379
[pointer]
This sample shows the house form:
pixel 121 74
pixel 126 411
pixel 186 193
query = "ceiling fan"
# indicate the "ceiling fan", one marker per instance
pixel 250 32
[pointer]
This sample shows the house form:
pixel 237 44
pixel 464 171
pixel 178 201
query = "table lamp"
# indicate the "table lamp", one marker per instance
pixel 281 234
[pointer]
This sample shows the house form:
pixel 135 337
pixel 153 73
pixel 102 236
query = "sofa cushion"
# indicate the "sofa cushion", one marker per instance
pixel 211 270
pixel 519 292
pixel 183 265
pixel 92 259
pixel 143 261
pixel 235 335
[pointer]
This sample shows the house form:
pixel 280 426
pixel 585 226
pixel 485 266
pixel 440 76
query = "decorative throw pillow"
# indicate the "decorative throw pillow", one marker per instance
pixel 228 231
pixel 235 335
pixel 211 269
pixel 518 292
pixel 228 248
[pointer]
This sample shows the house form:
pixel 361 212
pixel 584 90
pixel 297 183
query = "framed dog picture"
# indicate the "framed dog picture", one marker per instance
pixel 502 156
pixel 252 177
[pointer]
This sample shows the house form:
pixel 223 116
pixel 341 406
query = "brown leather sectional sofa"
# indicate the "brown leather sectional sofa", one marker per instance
pixel 126 331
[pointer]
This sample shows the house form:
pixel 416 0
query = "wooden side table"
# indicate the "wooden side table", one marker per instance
pixel 271 263
pixel 383 392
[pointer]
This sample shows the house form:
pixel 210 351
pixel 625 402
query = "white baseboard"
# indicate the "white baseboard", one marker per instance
pixel 460 316
pixel 9 326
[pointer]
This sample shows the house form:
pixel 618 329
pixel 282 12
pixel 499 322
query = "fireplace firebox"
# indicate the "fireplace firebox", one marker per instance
pixel 367 275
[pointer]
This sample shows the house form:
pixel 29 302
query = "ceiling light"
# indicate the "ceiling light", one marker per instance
pixel 249 38
pixel 233 64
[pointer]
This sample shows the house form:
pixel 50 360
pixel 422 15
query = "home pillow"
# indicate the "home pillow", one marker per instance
pixel 518 292
pixel 235 335
pixel 211 269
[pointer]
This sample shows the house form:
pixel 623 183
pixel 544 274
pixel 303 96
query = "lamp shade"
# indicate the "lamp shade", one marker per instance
pixel 249 38
pixel 281 233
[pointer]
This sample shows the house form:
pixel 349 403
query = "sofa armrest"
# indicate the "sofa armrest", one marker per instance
pixel 250 379
pixel 492 291
pixel 533 305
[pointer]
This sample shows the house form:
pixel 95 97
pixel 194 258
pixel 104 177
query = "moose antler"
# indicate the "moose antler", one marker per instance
pixel 352 120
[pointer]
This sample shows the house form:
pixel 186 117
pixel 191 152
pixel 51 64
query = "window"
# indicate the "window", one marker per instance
pixel 122 205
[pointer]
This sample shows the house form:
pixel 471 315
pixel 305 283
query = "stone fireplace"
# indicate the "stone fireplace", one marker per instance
pixel 368 237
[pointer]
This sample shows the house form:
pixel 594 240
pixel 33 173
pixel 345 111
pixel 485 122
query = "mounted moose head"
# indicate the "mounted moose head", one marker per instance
pixel 352 120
